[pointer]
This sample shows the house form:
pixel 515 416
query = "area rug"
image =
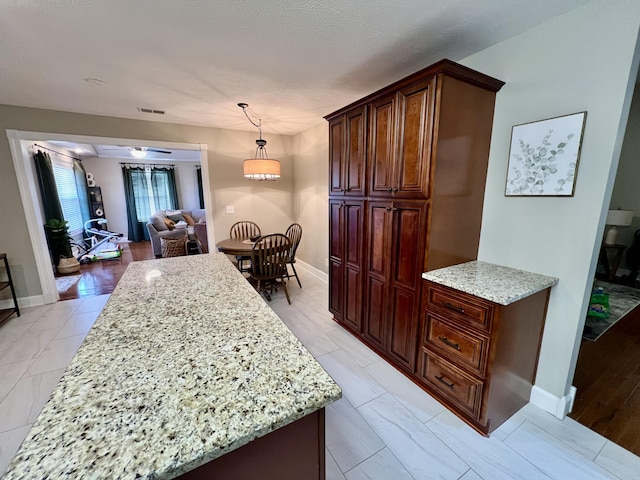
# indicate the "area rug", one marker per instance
pixel 622 300
pixel 65 283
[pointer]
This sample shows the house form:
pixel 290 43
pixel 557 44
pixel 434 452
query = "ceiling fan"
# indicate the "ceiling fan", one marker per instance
pixel 140 152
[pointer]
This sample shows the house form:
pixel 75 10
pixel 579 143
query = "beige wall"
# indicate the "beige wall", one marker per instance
pixel 583 60
pixel 311 180
pixel 268 203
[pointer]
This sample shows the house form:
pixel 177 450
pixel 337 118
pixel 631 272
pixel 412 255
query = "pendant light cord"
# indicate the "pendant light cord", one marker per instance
pixel 257 125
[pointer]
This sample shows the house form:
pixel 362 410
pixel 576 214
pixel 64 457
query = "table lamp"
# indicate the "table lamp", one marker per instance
pixel 617 218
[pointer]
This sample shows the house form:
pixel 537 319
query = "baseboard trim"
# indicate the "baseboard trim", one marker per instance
pixel 23 302
pixel 313 271
pixel 557 406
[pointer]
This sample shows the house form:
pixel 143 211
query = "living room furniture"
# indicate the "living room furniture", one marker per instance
pixel 6 313
pixel 269 257
pixel 185 373
pixel 294 232
pixel 407 167
pixel 174 247
pixel 480 335
pixel 609 260
pixel 158 228
pixel 200 232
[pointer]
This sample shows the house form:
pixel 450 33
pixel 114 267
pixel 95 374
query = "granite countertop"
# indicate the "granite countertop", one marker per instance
pixel 185 363
pixel 499 284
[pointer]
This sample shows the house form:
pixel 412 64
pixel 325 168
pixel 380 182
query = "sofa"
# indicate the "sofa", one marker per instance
pixel 162 224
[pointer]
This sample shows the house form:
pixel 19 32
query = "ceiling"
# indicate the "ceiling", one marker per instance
pixel 292 61
pixel 127 152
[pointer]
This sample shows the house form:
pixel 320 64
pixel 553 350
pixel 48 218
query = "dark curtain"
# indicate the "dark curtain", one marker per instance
pixel 137 205
pixel 200 193
pixel 48 190
pixel 165 192
pixel 83 190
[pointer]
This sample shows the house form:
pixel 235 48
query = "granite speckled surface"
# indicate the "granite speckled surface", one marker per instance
pixel 499 284
pixel 184 364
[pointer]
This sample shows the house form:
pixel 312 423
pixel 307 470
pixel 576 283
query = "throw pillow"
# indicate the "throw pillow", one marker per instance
pixel 189 219
pixel 175 215
pixel 158 222
pixel 169 223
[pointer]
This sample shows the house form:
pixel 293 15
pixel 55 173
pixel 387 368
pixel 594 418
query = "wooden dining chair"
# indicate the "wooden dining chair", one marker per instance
pixel 269 257
pixel 294 233
pixel 244 229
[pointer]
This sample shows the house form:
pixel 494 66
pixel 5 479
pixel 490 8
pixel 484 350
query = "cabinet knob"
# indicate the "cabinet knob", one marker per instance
pixel 388 209
pixel 395 189
pixel 389 189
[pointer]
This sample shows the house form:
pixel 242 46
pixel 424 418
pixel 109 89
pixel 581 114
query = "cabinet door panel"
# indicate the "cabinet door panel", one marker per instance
pixel 353 215
pixel 408 239
pixel 355 164
pixel 376 324
pixel 336 155
pixel 414 141
pixel 382 146
pixel 336 259
pixel 403 338
pixel 380 222
pixel 336 289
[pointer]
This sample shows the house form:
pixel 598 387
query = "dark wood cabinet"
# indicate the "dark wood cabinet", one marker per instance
pixel 347 149
pixel 346 220
pixel 407 174
pixel 477 356
pixel 6 313
pixel 394 259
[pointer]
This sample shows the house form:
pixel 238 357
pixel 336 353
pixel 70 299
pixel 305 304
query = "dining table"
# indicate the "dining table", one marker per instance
pixel 236 246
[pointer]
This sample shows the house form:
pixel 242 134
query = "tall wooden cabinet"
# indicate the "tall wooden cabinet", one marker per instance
pixel 407 168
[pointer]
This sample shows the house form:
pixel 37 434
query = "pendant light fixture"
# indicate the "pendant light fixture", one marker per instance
pixel 261 167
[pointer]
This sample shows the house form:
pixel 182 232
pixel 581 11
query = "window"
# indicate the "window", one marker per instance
pixel 152 192
pixel 68 194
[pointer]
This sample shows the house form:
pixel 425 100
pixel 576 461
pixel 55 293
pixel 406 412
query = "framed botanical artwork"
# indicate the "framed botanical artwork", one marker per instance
pixel 544 155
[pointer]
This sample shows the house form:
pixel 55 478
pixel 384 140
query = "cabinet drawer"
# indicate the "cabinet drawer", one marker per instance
pixel 452 383
pixel 462 348
pixel 464 307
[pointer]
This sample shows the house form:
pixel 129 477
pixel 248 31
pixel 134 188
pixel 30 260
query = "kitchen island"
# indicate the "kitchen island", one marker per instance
pixel 186 372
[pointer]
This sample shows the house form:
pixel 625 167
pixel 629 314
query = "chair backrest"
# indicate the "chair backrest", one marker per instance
pixel 244 229
pixel 269 256
pixel 294 232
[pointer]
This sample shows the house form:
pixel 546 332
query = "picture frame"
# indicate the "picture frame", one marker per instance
pixel 544 157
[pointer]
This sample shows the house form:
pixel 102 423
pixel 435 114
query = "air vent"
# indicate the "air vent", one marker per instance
pixel 150 110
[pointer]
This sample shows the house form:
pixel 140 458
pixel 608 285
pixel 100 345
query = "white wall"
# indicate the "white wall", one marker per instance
pixel 108 176
pixel 582 60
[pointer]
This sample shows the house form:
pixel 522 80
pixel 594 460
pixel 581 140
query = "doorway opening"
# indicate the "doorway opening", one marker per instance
pixel 20 142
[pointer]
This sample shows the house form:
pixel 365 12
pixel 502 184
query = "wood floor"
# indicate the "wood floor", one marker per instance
pixel 608 382
pixel 101 277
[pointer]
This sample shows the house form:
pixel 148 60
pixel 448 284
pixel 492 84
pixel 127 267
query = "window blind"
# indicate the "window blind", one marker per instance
pixel 66 185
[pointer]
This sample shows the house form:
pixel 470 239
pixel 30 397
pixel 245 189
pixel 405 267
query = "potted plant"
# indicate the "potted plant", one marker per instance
pixel 59 240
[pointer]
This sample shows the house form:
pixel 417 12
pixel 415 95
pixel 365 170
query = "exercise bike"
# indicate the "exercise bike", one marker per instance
pixel 88 249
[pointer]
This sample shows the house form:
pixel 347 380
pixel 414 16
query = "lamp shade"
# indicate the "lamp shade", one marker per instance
pixel 620 218
pixel 261 169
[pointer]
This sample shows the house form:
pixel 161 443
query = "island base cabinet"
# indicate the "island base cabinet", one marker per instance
pixel 293 452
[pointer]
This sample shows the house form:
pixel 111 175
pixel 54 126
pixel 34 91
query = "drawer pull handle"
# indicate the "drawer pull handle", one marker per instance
pixel 448 342
pixel 453 307
pixel 443 381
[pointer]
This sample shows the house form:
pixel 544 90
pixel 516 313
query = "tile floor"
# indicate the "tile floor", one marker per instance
pixel 384 427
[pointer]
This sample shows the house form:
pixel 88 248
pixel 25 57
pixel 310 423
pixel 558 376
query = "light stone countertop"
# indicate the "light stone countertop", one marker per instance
pixel 499 284
pixel 185 363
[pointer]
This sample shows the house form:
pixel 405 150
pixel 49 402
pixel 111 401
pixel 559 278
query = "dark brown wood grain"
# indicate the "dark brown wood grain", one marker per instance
pixel 607 380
